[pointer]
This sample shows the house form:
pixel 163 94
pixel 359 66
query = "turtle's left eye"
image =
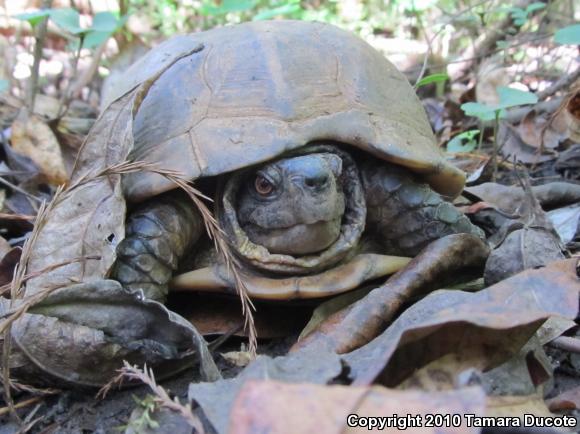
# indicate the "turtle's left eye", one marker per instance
pixel 263 186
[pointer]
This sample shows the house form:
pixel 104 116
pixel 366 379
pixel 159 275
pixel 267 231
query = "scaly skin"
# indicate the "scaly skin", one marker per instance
pixel 407 215
pixel 158 234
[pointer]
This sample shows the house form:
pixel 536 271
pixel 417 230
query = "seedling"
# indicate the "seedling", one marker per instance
pixel 464 142
pixel 508 98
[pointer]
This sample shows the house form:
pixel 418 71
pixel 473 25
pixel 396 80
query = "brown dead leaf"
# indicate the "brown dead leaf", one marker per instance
pixel 495 323
pixel 567 117
pixel 93 212
pixel 536 131
pixel 278 408
pixel 528 242
pixel 450 257
pixel 80 335
pixel 569 160
pixel 314 366
pixel 512 146
pixel 8 263
pixel 520 375
pixel 33 138
pixel 510 198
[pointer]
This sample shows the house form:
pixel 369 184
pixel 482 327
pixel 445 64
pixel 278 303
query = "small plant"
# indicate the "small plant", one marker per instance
pixel 464 142
pixel 508 98
pixel 433 78
pixel 145 420
pixel 521 16
pixel 105 24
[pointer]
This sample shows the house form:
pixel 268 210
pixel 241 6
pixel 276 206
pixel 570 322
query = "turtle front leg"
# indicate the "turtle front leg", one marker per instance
pixel 406 215
pixel 158 234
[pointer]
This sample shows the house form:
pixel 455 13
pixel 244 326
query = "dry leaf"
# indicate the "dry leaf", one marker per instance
pixel 8 264
pixel 216 399
pixel 510 198
pixel 512 146
pixel 34 139
pixel 566 222
pixel 527 242
pixel 450 258
pixel 569 160
pixel 80 336
pixel 93 211
pixel 535 131
pixel 278 408
pixel 455 322
pixel 568 116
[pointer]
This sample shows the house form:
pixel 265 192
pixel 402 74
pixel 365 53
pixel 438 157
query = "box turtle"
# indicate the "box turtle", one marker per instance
pixel 316 150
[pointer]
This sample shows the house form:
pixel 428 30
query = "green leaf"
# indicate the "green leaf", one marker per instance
pixel 227 6
pixel 433 78
pixel 33 17
pixel 502 45
pixel 568 35
pixel 95 38
pixel 105 22
pixel 536 6
pixel 279 11
pixel 509 97
pixel 464 142
pixel 4 85
pixel 481 111
pixel 68 19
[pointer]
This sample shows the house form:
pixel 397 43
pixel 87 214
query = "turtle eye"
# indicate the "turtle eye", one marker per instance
pixel 263 186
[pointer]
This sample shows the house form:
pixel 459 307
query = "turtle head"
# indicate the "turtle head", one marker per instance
pixel 295 205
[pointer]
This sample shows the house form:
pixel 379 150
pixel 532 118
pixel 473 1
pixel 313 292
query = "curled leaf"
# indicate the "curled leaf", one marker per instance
pixel 80 335
pixel 455 322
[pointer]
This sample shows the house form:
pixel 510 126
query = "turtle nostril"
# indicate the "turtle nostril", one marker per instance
pixel 316 181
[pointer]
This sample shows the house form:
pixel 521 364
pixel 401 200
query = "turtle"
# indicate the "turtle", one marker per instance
pixel 319 157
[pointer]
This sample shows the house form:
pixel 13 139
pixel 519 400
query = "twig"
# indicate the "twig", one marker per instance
pixel 66 95
pixel 38 45
pixel 19 190
pixel 6 216
pixel 21 404
pixel 484 44
pixel 89 73
pixel 566 343
pixel 561 83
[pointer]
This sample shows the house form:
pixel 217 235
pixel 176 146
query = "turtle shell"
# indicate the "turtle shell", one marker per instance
pixel 217 101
